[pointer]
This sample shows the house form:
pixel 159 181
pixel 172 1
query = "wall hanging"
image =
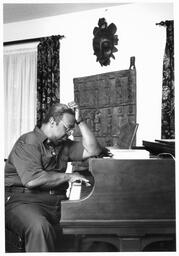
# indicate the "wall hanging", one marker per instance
pixel 104 41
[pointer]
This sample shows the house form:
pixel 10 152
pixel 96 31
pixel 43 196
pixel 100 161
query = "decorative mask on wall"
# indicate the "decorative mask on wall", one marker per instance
pixel 104 41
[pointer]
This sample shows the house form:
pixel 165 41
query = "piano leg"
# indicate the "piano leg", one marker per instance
pixel 99 243
pixel 77 243
pixel 130 244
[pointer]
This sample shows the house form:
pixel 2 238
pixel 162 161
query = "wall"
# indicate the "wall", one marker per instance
pixel 138 36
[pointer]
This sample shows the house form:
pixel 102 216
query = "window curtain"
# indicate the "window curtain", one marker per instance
pixel 20 72
pixel 48 75
pixel 168 95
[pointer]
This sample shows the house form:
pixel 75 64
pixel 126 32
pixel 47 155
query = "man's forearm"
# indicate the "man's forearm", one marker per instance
pixel 49 180
pixel 88 139
pixel 54 178
pixel 91 145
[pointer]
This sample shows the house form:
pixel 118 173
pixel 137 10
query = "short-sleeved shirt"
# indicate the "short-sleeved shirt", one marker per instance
pixel 33 154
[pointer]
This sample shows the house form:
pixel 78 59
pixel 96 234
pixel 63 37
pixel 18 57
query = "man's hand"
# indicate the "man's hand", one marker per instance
pixel 77 177
pixel 105 152
pixel 73 105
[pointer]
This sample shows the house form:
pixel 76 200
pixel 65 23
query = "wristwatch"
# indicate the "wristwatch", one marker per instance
pixel 78 122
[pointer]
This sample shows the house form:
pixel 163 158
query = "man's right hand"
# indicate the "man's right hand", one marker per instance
pixel 77 177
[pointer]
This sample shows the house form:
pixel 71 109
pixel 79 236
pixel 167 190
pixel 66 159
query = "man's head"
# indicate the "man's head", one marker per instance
pixel 58 122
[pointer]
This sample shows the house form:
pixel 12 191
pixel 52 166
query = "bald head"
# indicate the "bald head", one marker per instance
pixel 57 111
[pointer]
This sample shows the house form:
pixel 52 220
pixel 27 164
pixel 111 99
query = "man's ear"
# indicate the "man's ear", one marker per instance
pixel 51 121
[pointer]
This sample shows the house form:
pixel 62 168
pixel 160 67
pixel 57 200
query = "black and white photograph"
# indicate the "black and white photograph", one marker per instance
pixel 89 127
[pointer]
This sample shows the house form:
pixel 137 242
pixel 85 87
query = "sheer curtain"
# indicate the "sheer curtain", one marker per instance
pixel 20 89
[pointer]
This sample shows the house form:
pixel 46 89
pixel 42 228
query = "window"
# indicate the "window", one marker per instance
pixel 20 75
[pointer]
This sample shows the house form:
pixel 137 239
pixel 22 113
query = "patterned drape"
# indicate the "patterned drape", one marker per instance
pixel 48 75
pixel 168 96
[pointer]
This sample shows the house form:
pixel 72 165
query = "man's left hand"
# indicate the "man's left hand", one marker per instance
pixel 73 105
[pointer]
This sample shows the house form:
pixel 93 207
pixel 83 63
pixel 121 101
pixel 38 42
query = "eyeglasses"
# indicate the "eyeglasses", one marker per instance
pixel 68 130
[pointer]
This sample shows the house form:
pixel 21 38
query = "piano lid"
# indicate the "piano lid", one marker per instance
pixel 160 146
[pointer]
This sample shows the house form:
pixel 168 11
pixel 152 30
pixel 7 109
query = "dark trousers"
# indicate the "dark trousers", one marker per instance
pixel 34 217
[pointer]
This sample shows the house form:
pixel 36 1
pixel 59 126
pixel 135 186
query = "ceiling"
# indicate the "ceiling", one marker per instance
pixel 22 12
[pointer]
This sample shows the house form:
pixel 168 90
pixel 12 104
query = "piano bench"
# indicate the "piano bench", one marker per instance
pixel 13 242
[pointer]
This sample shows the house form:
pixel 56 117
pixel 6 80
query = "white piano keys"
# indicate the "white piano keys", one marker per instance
pixel 75 190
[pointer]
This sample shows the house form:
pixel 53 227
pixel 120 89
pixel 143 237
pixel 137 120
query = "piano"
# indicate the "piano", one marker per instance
pixel 130 204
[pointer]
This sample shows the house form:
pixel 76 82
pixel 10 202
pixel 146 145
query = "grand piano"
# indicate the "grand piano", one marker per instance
pixel 130 204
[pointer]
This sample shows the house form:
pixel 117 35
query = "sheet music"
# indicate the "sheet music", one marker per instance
pixel 129 153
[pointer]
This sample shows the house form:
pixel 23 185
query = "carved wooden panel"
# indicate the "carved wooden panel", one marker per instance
pixel 107 102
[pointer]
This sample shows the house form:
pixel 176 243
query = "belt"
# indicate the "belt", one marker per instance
pixel 27 190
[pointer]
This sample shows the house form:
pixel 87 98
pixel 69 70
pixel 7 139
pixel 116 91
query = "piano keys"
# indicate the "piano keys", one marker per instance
pixel 79 190
pixel 131 201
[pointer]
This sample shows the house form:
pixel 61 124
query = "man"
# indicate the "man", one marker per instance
pixel 35 177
